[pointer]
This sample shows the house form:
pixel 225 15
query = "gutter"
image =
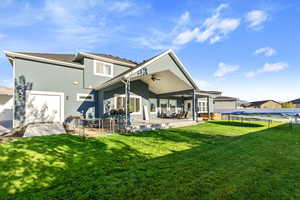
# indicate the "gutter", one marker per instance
pixel 12 55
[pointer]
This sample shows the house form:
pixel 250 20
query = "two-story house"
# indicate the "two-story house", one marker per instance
pixel 53 87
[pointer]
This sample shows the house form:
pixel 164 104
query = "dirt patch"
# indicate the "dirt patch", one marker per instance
pixel 4 139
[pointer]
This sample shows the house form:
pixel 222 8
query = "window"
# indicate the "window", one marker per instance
pixel 134 103
pixel 202 104
pixel 85 97
pixel 103 69
pixel 163 105
pixel 173 105
pixel 153 105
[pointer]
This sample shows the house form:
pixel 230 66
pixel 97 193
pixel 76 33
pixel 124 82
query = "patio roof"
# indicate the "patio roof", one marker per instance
pixel 131 72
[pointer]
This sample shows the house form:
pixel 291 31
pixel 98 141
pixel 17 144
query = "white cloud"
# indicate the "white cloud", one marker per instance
pixel 186 36
pixel 250 74
pixel 184 19
pixel 268 67
pixel 120 6
pixel 256 18
pixel 213 29
pixel 159 40
pixel 224 69
pixel 274 67
pixel 267 51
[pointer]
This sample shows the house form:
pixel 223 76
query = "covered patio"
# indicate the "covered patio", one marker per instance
pixel 158 93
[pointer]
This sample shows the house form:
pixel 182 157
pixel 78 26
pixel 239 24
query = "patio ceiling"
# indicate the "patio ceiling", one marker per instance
pixel 164 82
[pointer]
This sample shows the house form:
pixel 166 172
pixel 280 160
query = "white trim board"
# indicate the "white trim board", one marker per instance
pixel 135 96
pixel 105 63
pixel 85 95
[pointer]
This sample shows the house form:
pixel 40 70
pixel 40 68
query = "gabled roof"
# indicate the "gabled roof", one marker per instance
pixel 59 59
pixel 296 101
pixel 145 63
pixel 6 91
pixel 259 103
pixel 213 92
pixel 72 60
pixel 116 58
pixel 53 56
pixel 225 98
pixel 106 58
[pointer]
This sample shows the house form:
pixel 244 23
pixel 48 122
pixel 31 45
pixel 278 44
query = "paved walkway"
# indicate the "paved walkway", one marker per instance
pixel 3 130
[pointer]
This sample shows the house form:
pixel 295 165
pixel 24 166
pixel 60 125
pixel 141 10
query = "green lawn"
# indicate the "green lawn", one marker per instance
pixel 215 160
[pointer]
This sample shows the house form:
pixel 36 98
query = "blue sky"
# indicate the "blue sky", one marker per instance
pixel 248 49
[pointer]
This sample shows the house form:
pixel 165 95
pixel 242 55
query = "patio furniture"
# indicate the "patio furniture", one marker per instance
pixel 180 115
pixel 186 114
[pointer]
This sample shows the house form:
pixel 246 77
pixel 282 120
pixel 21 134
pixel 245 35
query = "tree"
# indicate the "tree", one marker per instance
pixel 287 105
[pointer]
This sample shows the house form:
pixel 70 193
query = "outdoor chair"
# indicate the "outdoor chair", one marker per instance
pixel 186 114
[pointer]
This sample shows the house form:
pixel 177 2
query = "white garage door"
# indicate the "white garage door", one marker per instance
pixel 44 107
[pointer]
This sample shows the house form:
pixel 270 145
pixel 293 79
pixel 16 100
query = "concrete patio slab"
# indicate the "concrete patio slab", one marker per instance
pixel 43 129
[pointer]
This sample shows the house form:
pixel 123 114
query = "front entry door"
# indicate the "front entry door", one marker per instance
pixel 188 105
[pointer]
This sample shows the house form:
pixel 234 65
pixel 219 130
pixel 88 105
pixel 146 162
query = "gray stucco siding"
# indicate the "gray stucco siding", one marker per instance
pixel 137 88
pixel 54 78
pixel 91 80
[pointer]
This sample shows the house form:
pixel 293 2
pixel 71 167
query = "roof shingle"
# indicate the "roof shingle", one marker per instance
pixel 69 58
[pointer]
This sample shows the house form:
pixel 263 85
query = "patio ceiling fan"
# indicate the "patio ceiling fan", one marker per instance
pixel 153 78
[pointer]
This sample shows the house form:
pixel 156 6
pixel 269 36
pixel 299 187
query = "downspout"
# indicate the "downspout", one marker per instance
pixel 127 100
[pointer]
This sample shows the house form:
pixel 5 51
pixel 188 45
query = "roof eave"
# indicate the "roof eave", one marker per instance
pixel 13 55
pixel 170 51
pixel 80 55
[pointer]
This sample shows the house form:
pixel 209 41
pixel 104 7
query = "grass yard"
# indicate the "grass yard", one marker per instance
pixel 214 160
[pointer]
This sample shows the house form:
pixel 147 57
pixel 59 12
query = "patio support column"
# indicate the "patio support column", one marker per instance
pixel 127 98
pixel 194 105
pixel 208 108
pixel 158 114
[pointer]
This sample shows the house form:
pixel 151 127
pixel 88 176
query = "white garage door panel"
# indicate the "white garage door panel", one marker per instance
pixel 44 107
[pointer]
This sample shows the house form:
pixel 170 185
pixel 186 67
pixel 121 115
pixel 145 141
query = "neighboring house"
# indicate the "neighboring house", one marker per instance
pixel 54 87
pixel 204 103
pixel 296 103
pixel 5 96
pixel 224 102
pixel 262 104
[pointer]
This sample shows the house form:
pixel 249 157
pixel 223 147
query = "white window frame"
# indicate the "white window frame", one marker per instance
pixel 160 100
pixel 168 105
pixel 156 106
pixel 134 96
pixel 176 106
pixel 199 106
pixel 100 74
pixel 85 95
